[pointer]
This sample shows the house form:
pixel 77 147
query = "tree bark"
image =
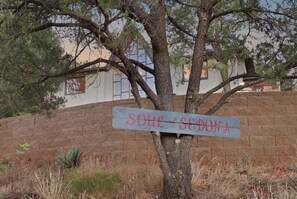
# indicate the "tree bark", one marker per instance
pixel 174 153
pixel 178 184
pixel 204 14
pixel 224 75
pixel 177 169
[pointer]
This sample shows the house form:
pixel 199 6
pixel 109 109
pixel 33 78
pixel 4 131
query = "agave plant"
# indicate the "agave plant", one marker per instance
pixel 71 158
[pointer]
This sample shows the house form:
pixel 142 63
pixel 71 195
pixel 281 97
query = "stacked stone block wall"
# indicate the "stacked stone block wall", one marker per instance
pixel 268 131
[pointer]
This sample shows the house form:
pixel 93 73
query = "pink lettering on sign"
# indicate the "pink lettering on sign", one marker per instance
pixel 159 122
pixel 183 126
pixel 200 124
pixel 184 123
pixel 151 121
pixel 191 127
pixel 227 129
pixel 131 120
pixel 145 120
pixel 141 120
pixel 208 126
pixel 217 126
pixel 174 122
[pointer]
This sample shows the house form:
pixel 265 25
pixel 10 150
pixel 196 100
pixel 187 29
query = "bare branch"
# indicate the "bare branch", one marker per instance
pixel 215 2
pixel 42 27
pixel 223 99
pixel 154 98
pixel 132 71
pixel 233 11
pixel 142 66
pixel 222 84
pixel 249 9
pixel 276 13
pixel 80 68
pixel 135 92
pixel 289 77
pixel 161 153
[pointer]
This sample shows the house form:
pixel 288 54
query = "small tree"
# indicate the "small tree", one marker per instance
pixel 23 63
pixel 184 29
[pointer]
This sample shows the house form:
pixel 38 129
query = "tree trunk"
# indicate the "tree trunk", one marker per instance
pixel 174 150
pixel 178 184
pixel 224 75
pixel 174 153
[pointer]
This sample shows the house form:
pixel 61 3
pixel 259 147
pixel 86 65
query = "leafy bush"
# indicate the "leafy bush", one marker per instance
pixel 71 159
pixel 96 184
pixel 24 147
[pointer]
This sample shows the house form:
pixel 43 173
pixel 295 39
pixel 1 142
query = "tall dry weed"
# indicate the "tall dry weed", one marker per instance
pixel 241 181
pixel 49 185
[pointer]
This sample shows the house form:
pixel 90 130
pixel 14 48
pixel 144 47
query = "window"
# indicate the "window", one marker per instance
pixel 75 85
pixel 187 71
pixel 259 88
pixel 121 85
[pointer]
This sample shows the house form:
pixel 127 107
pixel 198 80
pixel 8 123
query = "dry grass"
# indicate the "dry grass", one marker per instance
pixel 242 181
pixel 16 179
pixel 144 181
pixel 139 181
pixel 49 184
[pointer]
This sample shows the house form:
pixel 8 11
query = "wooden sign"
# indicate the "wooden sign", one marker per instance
pixel 174 122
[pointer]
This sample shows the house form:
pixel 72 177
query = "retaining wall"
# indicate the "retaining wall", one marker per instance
pixel 268 131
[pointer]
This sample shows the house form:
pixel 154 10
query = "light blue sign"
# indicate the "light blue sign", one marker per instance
pixel 175 122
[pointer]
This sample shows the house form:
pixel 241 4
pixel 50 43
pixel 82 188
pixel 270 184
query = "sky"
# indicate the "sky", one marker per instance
pixel 87 55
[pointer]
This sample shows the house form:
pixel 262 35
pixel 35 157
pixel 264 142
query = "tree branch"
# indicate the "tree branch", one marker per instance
pixel 291 65
pixel 180 27
pixel 249 9
pixel 161 153
pixel 42 27
pixel 154 98
pixel 83 66
pixel 221 85
pixel 289 77
pixel 234 11
pixel 135 12
pixel 223 99
pixel 142 66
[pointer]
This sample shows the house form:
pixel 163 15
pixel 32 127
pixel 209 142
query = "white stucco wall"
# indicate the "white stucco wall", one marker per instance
pixel 180 87
pixel 99 87
pixel 237 67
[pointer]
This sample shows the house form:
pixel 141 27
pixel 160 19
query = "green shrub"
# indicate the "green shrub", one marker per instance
pixel 4 166
pixel 24 147
pixel 98 183
pixel 71 159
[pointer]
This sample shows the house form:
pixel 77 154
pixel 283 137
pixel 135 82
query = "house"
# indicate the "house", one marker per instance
pixel 91 86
